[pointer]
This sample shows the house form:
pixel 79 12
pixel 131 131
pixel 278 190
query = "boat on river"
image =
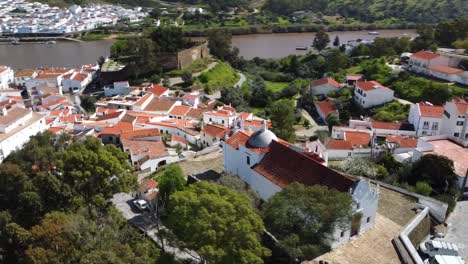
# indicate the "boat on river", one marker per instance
pixel 373 33
pixel 301 48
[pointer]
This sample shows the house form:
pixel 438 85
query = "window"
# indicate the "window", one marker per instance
pixel 424 132
pixel 248 160
pixel 210 119
pixel 460 123
pixel 368 219
pixel 426 125
pixel 342 234
pixel 435 126
pixel 466 136
pixel 363 102
pixel 365 95
pixel 222 121
pixel 111 139
pixel 456 134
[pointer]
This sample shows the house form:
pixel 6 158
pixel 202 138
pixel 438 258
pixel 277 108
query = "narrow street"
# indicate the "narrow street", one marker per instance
pixel 146 222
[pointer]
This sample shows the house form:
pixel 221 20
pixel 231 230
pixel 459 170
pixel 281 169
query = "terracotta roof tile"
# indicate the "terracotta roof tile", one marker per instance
pixel 140 133
pixel 329 81
pixel 148 184
pixel 371 85
pixel 339 144
pixel 215 131
pixel 160 104
pixel 151 149
pixel 283 165
pixel 428 110
pixel 195 113
pixel 157 90
pixel 425 55
pixel 358 139
pixel 327 107
pixel 180 110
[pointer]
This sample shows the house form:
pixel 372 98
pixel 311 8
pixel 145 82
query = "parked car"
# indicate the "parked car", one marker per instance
pixel 434 247
pixel 440 259
pixel 141 204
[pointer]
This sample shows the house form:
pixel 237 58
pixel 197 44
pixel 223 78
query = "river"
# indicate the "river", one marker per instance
pixel 73 54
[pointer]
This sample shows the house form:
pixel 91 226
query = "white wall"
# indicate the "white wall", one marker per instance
pixel 374 97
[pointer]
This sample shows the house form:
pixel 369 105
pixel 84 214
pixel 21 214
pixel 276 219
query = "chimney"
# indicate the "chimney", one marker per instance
pixel 264 125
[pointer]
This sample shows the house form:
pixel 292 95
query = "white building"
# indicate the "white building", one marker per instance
pixel 455 119
pixel 224 115
pixel 75 81
pixel 17 125
pixel 324 86
pixel 371 93
pixel 213 134
pixel 269 164
pixel 117 88
pixel 422 61
pixel 426 118
pixel 6 77
pixel 22 76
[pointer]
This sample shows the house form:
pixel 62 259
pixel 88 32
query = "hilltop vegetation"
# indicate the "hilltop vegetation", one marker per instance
pixel 66 3
pixel 421 11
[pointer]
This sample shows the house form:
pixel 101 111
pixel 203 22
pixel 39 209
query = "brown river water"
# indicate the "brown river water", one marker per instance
pixel 73 54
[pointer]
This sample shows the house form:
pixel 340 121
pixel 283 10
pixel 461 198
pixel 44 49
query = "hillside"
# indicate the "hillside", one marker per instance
pixel 66 3
pixel 426 11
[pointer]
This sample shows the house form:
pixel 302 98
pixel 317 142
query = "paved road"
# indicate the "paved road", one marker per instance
pixel 146 222
pixel 405 102
pixel 458 228
pixel 314 127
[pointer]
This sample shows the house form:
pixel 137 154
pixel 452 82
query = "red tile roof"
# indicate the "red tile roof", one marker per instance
pixel 215 131
pixel 148 184
pixel 176 138
pixel 157 90
pixel 371 85
pixel 323 81
pixel 339 144
pixel 79 77
pixel 354 77
pixel 160 104
pixel 191 96
pixel 327 107
pixel 256 123
pixel 150 149
pixel 386 125
pixel 142 100
pixel 358 138
pixel 180 110
pixel 462 105
pixel 283 165
pixel 403 142
pixel 118 128
pixel 140 133
pixel 428 110
pixel 239 138
pixel 425 55
pixel 109 116
pixel 445 69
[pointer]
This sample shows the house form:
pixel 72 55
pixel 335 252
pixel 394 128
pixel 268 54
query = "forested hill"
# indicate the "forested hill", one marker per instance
pixel 421 11
pixel 65 3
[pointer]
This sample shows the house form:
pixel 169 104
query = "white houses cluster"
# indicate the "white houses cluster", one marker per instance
pixel 23 17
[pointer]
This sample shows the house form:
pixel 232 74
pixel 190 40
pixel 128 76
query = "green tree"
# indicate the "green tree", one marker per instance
pixel 296 216
pixel 423 188
pixel 437 171
pixel 235 183
pixel 332 120
pixel 321 40
pixel 283 119
pixel 336 42
pixel 171 181
pixel 425 39
pixel 261 97
pixel 88 103
pixel 219 43
pixel 218 223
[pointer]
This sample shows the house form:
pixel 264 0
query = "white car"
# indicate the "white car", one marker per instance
pixel 435 247
pixel 141 204
pixel 440 259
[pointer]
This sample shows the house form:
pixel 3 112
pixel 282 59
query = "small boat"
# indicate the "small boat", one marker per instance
pixel 51 42
pixel 373 33
pixel 301 48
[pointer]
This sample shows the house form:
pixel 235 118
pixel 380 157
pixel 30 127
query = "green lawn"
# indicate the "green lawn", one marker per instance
pixel 222 75
pixel 393 111
pixel 275 86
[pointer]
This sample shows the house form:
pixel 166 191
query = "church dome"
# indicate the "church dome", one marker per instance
pixel 262 138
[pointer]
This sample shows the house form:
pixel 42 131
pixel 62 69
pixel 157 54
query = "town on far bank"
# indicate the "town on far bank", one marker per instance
pixel 179 151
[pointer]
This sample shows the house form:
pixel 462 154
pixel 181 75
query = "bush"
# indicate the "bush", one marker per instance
pixel 423 188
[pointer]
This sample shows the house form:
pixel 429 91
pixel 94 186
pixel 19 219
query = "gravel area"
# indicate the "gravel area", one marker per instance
pixel 212 161
pixel 458 228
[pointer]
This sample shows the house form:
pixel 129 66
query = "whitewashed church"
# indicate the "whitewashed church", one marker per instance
pixel 269 164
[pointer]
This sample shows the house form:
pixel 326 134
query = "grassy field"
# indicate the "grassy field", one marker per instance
pixel 275 86
pixel 393 111
pixel 222 75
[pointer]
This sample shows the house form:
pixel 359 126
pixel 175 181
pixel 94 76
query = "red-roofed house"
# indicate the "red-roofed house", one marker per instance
pixel 191 99
pixel 224 116
pixel 349 144
pixel 179 111
pixel 325 108
pixel 76 81
pixel 371 93
pixel 213 134
pixel 146 155
pixel 268 165
pixel 158 90
pixel 455 119
pixel 324 86
pixel 421 61
pixel 426 118
pixel 148 191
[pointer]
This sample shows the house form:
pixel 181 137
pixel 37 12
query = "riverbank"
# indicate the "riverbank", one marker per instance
pixel 299 28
